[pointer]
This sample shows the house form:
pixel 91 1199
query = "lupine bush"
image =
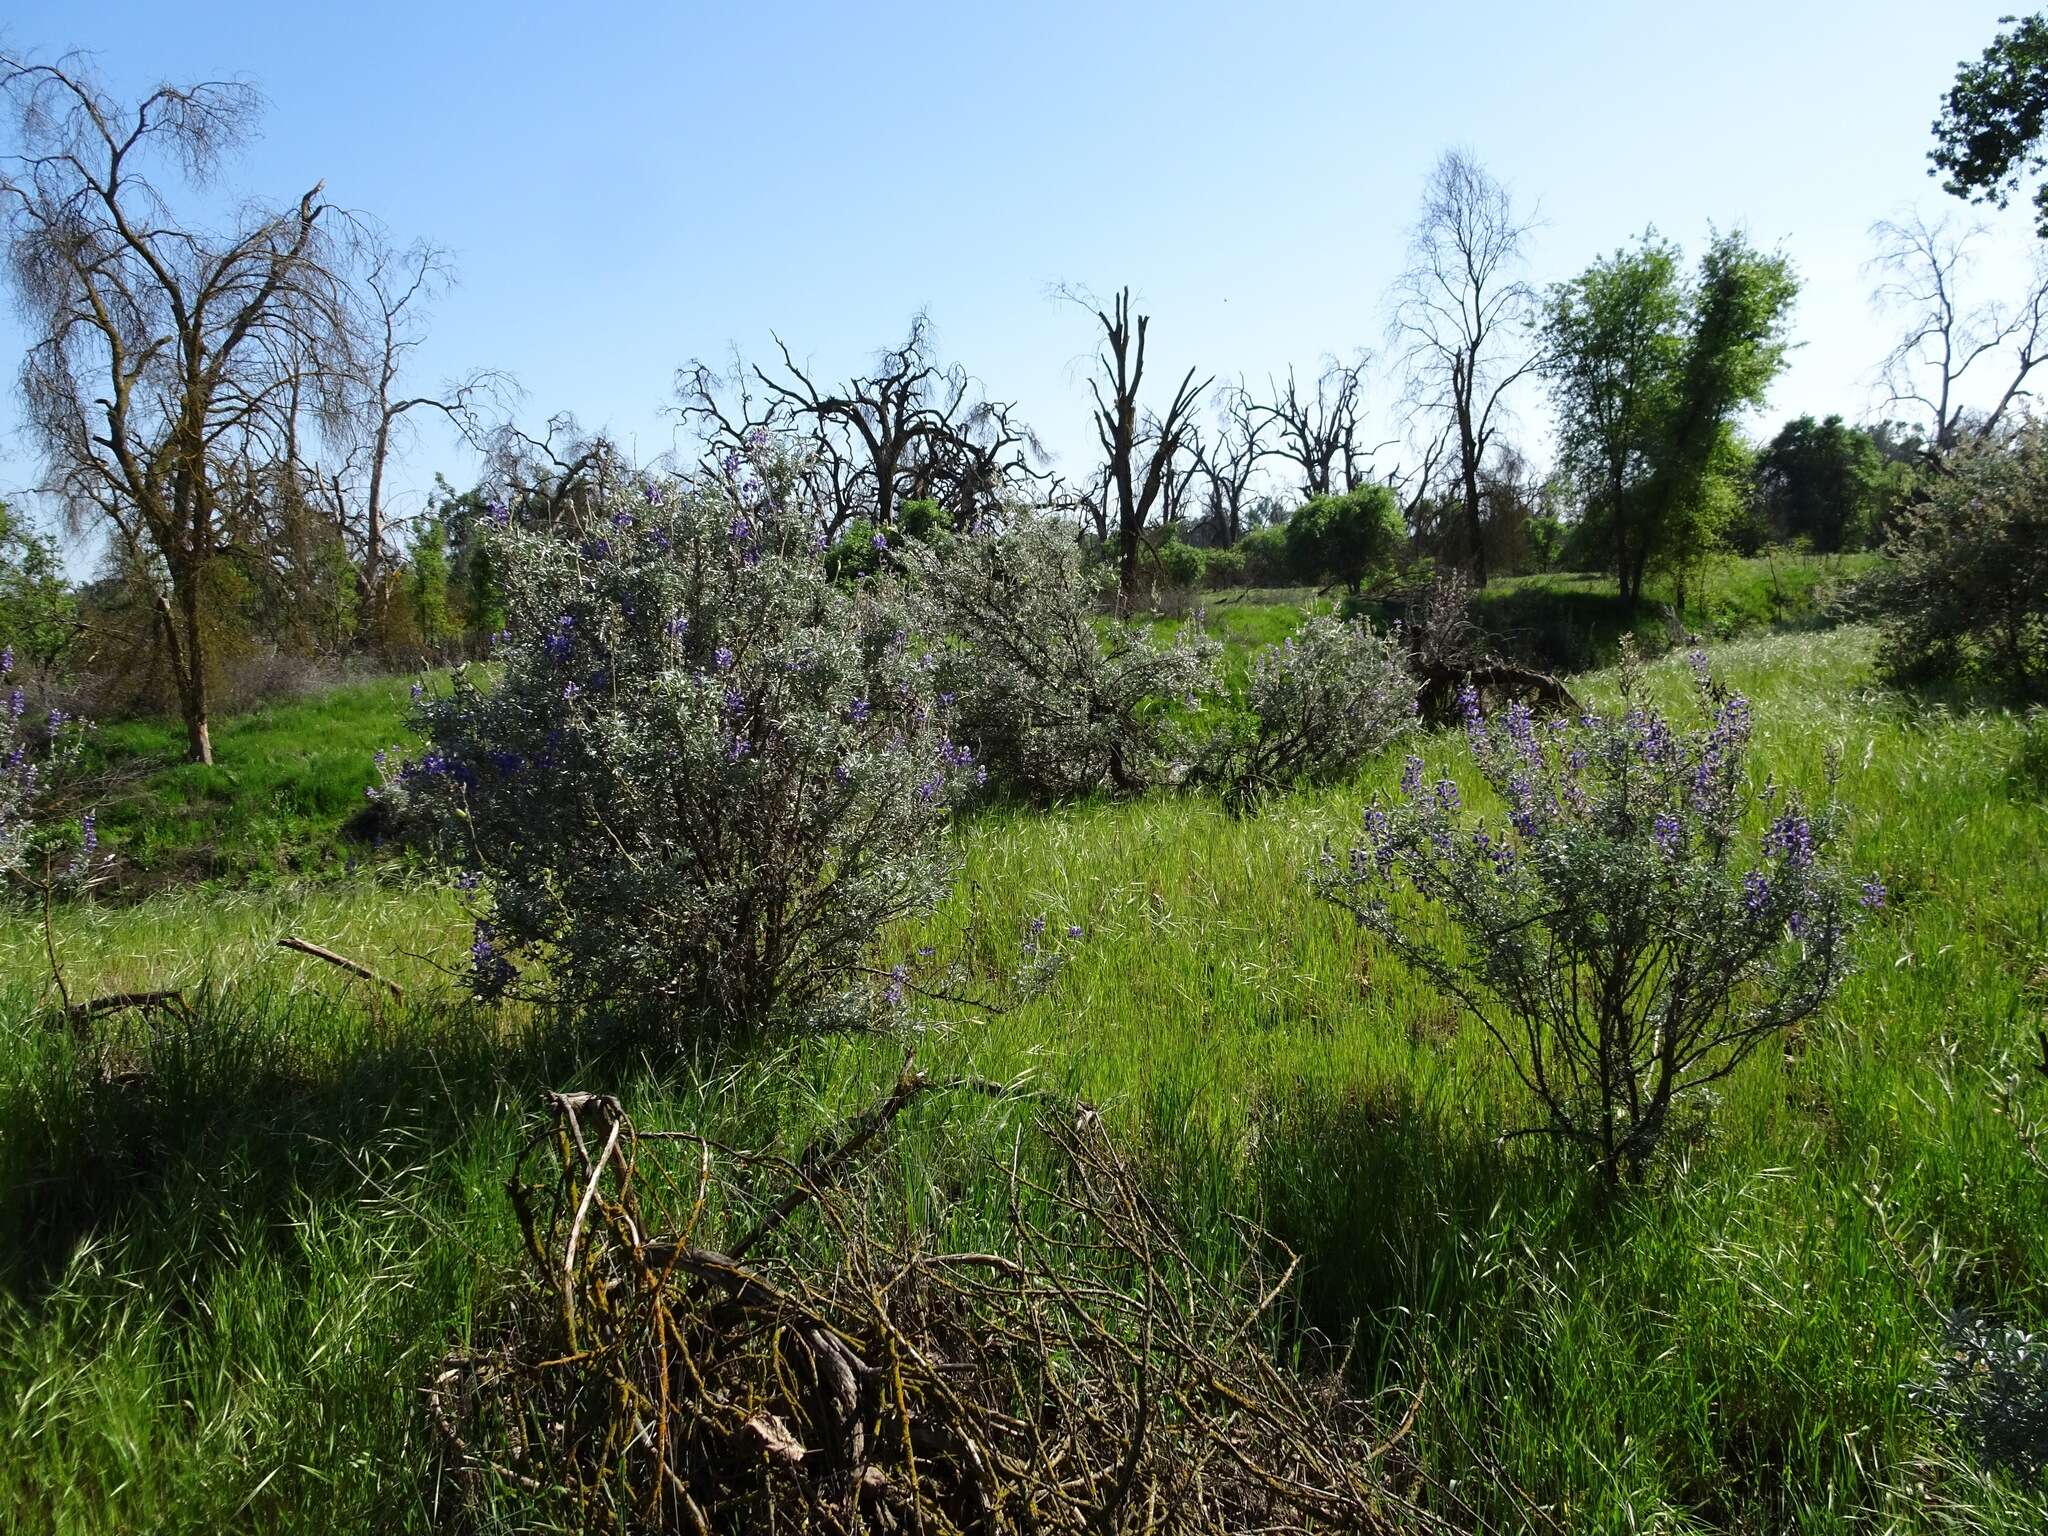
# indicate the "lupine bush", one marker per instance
pixel 38 751
pixel 1060 701
pixel 1313 708
pixel 1965 591
pixel 1636 918
pixel 705 775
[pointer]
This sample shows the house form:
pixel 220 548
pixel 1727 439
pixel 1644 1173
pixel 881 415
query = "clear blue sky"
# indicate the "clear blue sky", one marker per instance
pixel 625 187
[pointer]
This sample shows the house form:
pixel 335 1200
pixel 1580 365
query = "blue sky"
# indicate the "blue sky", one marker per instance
pixel 626 187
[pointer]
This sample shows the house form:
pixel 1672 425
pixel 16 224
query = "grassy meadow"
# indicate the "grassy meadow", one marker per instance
pixel 232 1248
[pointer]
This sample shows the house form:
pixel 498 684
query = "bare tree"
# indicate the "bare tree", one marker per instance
pixel 1319 432
pixel 1464 321
pixel 904 399
pixel 1121 374
pixel 395 290
pixel 558 479
pixel 1925 268
pixel 1229 457
pixel 162 350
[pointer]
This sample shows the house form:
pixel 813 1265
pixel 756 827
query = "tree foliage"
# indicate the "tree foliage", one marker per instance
pixel 1988 135
pixel 1649 371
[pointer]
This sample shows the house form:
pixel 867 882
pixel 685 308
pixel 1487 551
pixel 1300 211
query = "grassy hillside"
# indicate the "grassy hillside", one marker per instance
pixel 229 1256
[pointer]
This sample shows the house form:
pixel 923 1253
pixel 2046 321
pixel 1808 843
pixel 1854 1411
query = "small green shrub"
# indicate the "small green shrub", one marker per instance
pixel 1313 708
pixel 1059 701
pixel 1345 538
pixel 1966 591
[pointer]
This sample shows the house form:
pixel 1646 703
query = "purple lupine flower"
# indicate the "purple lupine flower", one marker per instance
pixel 857 712
pixel 881 543
pixel 732 462
pixel 1756 895
pixel 738 750
pixel 417 692
pixel 1873 894
pixel 6 661
pixel 740 530
pixel 1791 838
pixel 500 514
pixel 843 774
pixel 735 702
pixel 819 543
pixel 722 658
pixel 570 690
pixel 678 626
pixel 1037 926
pixel 1798 923
pixel 1073 930
pixel 1447 794
pixel 1668 833
pixel 1411 777
pixel 468 880
pixel 89 830
pixel 893 993
pixel 946 701
pixel 622 521
pixel 654 494
pixel 981 775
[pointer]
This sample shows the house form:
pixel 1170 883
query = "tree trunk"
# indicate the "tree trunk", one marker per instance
pixel 190 671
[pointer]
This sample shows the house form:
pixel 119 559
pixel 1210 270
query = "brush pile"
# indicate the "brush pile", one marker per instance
pixel 828 1367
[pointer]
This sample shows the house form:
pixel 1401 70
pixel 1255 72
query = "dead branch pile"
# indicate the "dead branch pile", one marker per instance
pixel 826 1369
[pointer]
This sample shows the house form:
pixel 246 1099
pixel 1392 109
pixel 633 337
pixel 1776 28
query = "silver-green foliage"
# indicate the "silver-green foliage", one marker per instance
pixel 1060 700
pixel 703 776
pixel 1621 933
pixel 1314 708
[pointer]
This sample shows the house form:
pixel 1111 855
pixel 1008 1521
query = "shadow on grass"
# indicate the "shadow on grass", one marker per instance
pixel 265 1103
pixel 1400 1214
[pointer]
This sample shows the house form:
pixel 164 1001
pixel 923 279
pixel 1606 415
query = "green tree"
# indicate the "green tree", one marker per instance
pixel 1822 481
pixel 1989 133
pixel 38 604
pixel 1649 372
pixel 1345 537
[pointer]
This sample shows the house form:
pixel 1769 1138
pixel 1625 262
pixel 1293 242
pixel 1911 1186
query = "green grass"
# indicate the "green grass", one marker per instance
pixel 284 779
pixel 228 1261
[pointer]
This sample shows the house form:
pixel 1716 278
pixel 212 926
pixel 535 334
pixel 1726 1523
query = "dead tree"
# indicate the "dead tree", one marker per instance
pixel 1228 459
pixel 1318 433
pixel 1121 374
pixel 159 347
pixel 1464 321
pixel 1925 269
pixel 904 399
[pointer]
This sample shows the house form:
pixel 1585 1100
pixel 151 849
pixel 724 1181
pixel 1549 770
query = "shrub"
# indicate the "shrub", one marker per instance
pixel 38 753
pixel 1182 565
pixel 1266 562
pixel 1059 701
pixel 1966 590
pixel 1314 707
pixel 1621 942
pixel 705 776
pixel 1224 567
pixel 1345 538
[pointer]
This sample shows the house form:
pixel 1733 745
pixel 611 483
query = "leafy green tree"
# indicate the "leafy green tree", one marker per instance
pixel 1649 372
pixel 38 604
pixel 1823 481
pixel 1346 537
pixel 1989 133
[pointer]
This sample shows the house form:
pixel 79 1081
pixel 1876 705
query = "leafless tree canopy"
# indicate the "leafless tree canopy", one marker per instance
pixel 1464 320
pixel 1139 452
pixel 909 428
pixel 1318 433
pixel 1949 343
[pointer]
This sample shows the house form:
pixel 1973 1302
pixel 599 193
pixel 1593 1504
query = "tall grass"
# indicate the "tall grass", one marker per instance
pixel 230 1250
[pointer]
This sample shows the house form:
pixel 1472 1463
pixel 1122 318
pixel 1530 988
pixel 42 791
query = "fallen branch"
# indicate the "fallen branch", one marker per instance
pixel 170 999
pixel 353 967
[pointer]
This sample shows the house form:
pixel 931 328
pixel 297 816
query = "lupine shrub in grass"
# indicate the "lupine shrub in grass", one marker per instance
pixel 1313 708
pixel 1060 700
pixel 1636 916
pixel 1965 590
pixel 705 775
pixel 42 850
